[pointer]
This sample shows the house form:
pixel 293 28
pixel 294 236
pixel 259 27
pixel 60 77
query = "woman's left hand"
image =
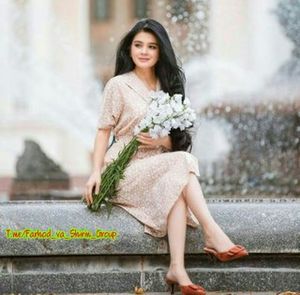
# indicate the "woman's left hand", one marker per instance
pixel 148 142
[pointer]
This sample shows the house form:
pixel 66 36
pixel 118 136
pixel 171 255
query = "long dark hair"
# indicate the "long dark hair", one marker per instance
pixel 169 73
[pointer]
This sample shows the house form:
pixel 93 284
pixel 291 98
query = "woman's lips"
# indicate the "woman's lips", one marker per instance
pixel 143 59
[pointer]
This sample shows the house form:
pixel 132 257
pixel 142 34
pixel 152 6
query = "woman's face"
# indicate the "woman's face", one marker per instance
pixel 144 50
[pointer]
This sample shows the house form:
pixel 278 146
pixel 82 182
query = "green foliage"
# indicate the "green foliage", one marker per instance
pixel 111 177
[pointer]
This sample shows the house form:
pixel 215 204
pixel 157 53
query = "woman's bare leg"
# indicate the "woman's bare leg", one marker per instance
pixel 213 234
pixel 176 236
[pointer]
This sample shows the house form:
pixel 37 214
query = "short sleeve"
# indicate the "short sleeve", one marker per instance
pixel 111 105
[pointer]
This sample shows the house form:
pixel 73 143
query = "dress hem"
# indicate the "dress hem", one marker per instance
pixel 190 222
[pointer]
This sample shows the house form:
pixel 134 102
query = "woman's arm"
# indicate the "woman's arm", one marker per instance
pixel 100 147
pixel 148 141
pixel 94 181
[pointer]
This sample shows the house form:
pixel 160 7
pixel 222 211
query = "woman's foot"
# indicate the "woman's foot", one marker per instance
pixel 178 274
pixel 219 246
pixel 215 238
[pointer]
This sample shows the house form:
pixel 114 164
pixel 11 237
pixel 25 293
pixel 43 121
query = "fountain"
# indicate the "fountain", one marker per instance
pixel 48 91
pixel 288 13
pixel 243 149
pixel 253 148
pixel 251 129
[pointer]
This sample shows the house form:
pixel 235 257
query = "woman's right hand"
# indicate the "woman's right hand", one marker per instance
pixel 94 181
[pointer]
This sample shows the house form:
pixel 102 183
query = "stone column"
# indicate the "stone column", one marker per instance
pixel 9 17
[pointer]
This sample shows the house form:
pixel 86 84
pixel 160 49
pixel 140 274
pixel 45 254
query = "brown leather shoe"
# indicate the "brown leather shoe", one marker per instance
pixel 237 251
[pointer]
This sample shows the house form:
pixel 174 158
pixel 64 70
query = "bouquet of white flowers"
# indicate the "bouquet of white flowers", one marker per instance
pixel 165 113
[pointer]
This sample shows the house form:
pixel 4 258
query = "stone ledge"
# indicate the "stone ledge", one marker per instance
pixel 269 230
pixel 261 227
pixel 96 274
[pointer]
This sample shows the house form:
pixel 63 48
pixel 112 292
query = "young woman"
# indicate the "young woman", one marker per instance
pixel 160 187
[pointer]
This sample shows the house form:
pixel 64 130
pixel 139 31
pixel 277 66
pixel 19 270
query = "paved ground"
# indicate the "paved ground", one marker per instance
pixel 177 293
pixel 208 293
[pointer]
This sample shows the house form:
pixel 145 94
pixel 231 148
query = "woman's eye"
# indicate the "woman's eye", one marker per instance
pixel 139 45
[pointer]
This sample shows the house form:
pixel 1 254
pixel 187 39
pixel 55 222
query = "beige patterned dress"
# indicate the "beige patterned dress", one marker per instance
pixel 154 178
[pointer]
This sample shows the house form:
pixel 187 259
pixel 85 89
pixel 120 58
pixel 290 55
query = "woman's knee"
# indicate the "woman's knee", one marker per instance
pixel 184 191
pixel 182 197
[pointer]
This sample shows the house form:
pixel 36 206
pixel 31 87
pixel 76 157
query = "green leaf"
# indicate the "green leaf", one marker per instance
pixel 112 175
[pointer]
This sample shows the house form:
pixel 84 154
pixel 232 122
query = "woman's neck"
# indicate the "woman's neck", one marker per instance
pixel 147 75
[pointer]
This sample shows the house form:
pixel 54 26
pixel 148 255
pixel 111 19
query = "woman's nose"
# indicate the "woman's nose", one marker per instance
pixel 144 49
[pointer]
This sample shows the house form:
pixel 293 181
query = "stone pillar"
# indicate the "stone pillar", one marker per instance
pixel 6 40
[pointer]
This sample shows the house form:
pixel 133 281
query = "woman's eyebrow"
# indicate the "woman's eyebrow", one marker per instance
pixel 138 41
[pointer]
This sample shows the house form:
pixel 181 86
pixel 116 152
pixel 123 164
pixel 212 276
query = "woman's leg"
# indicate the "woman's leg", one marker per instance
pixel 213 234
pixel 176 236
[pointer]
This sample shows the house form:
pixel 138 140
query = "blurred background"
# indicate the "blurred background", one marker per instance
pixel 242 64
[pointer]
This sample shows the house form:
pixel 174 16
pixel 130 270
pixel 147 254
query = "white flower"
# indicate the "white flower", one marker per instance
pixel 175 124
pixel 177 107
pixel 178 98
pixel 167 125
pixel 181 127
pixel 187 101
pixel 156 120
pixel 168 110
pixel 165 113
pixel 164 132
pixel 188 123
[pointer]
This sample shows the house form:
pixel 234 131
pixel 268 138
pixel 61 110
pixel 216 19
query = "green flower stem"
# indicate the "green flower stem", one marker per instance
pixel 113 173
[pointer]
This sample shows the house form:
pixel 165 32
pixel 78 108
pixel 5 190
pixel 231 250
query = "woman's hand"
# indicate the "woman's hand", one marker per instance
pixel 93 182
pixel 148 142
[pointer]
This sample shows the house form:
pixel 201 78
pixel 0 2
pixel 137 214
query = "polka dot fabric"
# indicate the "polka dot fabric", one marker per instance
pixel 155 177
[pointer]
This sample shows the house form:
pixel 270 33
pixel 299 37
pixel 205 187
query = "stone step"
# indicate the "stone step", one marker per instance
pixel 168 293
pixel 270 232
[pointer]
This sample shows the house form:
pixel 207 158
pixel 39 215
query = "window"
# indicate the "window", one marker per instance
pixel 141 7
pixel 101 10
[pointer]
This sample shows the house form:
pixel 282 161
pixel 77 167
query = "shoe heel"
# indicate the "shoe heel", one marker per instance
pixel 171 286
pixel 172 289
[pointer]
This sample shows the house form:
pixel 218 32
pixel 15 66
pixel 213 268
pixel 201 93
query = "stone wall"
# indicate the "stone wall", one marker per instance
pixel 268 229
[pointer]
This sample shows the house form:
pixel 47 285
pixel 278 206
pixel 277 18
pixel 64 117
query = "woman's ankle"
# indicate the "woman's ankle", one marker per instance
pixel 210 231
pixel 217 240
pixel 179 274
pixel 177 265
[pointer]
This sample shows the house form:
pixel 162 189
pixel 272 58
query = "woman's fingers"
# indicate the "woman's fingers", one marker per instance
pixel 146 146
pixel 148 143
pixel 146 140
pixel 91 193
pixel 97 188
pixel 145 134
pixel 92 186
pixel 88 194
